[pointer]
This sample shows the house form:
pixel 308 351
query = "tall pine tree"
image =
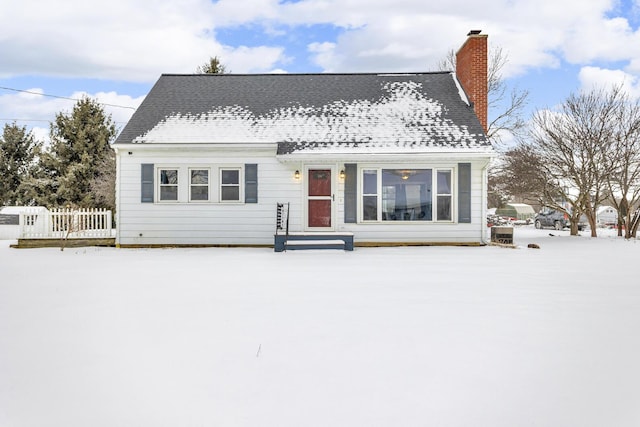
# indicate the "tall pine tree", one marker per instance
pixel 75 161
pixel 18 155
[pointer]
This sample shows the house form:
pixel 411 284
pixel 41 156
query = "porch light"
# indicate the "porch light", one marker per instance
pixel 342 174
pixel 405 176
pixel 296 175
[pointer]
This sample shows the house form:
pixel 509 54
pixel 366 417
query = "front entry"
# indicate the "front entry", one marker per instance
pixel 319 199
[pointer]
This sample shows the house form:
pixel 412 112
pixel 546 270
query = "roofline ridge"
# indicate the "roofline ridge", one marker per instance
pixel 378 73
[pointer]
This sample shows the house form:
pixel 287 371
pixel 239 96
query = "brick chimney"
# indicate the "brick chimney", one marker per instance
pixel 471 70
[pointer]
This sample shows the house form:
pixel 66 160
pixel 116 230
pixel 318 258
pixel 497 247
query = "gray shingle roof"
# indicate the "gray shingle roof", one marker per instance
pixel 310 112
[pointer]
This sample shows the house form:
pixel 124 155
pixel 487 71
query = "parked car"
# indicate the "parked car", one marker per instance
pixel 548 217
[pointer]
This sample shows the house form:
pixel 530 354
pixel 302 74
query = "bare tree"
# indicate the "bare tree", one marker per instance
pixel 505 107
pixel 576 146
pixel 519 174
pixel 212 66
pixel 624 183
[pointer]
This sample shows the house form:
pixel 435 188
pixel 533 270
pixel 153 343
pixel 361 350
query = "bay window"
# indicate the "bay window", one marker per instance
pixel 406 195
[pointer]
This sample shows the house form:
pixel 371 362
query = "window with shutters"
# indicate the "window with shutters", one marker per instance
pixel 390 195
pixel 168 181
pixel 444 196
pixel 230 185
pixel 370 195
pixel 199 184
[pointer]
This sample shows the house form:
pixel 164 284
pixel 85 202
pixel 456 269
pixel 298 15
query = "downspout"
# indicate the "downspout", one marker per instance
pixel 483 210
pixel 117 189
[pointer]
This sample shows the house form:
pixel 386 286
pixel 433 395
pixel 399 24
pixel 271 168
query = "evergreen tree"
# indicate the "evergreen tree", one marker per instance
pixel 213 66
pixel 75 161
pixel 18 154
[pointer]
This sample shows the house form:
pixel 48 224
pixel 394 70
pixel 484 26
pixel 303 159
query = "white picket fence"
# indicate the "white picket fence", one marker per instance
pixel 41 223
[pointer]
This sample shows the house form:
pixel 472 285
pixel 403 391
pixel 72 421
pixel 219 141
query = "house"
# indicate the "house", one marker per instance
pixel 606 216
pixel 381 159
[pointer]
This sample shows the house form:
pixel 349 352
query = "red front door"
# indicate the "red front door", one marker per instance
pixel 320 198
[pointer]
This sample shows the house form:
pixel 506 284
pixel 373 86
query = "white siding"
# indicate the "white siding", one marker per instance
pixel 214 223
pixel 425 232
pixel 198 223
pixel 9 232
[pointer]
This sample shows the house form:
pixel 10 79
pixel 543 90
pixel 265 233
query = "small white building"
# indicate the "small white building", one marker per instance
pixel 517 211
pixel 606 216
pixel 10 219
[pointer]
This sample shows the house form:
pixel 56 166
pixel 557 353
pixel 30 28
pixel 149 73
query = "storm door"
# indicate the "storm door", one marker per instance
pixel 319 199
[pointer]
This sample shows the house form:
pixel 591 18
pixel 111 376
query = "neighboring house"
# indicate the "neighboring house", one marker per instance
pixel 606 216
pixel 395 158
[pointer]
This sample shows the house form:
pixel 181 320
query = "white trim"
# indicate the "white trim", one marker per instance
pixel 191 185
pixel 453 192
pixel 413 157
pixel 484 230
pixel 184 183
pixel 118 191
pixel 159 185
pixel 202 147
pixel 240 184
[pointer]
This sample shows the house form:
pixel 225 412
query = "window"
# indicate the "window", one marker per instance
pixel 407 195
pixel 444 196
pixel 168 184
pixel 199 185
pixel 370 195
pixel 30 219
pixel 229 185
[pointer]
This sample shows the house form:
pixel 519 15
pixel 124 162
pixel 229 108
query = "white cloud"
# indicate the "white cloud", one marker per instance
pixel 415 35
pixel 594 77
pixel 324 55
pixel 122 40
pixel 128 40
pixel 602 39
pixel 245 59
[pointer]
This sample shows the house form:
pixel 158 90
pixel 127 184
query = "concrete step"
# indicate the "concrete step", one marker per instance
pixel 314 244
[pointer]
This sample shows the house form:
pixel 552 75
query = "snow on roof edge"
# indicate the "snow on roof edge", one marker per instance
pixel 463 94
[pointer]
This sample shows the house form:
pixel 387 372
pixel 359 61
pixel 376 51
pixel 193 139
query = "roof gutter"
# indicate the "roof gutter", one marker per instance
pixel 372 157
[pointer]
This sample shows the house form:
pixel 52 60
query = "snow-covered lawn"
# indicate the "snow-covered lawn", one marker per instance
pixel 416 336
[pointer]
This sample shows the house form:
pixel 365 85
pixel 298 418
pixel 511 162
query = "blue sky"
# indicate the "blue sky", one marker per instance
pixel 116 50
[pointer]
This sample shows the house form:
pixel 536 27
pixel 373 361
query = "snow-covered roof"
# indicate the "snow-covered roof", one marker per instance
pixel 602 209
pixel 341 113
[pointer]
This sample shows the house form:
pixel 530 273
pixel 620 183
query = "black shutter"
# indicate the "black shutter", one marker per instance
pixel 251 183
pixel 350 192
pixel 464 192
pixel 146 189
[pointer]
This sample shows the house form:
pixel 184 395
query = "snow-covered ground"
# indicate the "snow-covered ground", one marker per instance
pixel 414 336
